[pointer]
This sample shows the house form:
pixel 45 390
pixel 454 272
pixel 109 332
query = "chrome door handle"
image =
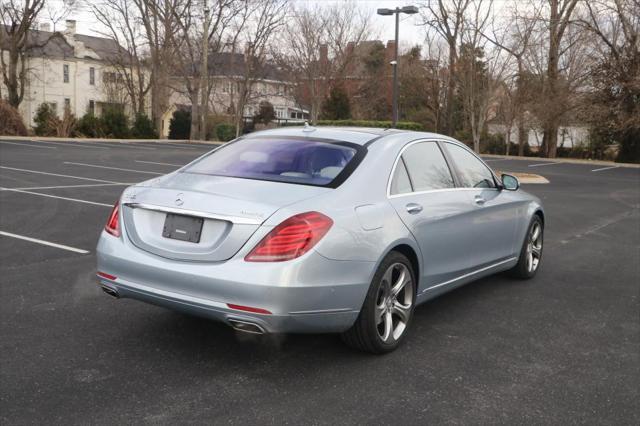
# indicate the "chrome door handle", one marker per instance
pixel 479 200
pixel 414 208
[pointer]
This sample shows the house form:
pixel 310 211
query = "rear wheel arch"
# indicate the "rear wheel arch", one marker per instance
pixel 410 254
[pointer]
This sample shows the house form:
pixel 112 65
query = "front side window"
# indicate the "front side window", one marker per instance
pixel 65 73
pixel 473 173
pixel 306 162
pixel 427 168
pixel 92 76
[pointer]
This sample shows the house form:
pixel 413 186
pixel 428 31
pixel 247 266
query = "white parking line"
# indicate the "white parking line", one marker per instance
pixel 75 186
pixel 112 168
pixel 549 163
pixel 55 196
pixel 56 174
pixel 44 243
pixel 162 164
pixel 605 168
pixel 128 145
pixel 72 144
pixel 29 145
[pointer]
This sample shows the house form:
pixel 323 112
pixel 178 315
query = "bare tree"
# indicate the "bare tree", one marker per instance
pixel 560 13
pixel 515 39
pixel 447 18
pixel 18 18
pixel 317 48
pixel 122 23
pixel 478 76
pixel 157 18
pixel 265 18
pixel 190 40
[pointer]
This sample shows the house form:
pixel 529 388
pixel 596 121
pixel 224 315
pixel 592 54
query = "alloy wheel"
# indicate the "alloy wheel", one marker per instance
pixel 534 247
pixel 394 302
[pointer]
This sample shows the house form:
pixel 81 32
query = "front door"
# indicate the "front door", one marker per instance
pixel 495 211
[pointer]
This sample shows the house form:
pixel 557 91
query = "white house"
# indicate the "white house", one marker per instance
pixel 225 74
pixel 72 70
pixel 568 136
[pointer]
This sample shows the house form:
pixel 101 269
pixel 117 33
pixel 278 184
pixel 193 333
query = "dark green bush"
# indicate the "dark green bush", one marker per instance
pixel 336 106
pixel 225 132
pixel 115 122
pixel 46 120
pixel 265 114
pixel 89 126
pixel 629 146
pixel 143 128
pixel 404 125
pixel 180 125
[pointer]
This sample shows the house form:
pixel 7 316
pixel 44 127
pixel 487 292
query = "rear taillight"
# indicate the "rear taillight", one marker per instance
pixel 292 238
pixel 113 223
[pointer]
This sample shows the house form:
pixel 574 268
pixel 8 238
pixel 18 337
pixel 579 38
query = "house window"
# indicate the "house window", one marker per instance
pixel 67 103
pixel 92 76
pixel 65 73
pixel 92 107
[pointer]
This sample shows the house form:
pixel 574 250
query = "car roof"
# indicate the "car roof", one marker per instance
pixel 357 135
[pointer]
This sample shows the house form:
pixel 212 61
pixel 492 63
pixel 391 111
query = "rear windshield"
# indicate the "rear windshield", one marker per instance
pixel 308 162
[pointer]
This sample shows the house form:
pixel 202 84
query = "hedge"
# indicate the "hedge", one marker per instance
pixel 404 125
pixel 225 132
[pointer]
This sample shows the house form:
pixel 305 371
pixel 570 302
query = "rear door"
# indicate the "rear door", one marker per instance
pixel 424 194
pixel 494 218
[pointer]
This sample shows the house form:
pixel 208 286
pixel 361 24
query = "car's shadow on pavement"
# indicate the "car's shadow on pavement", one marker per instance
pixel 185 339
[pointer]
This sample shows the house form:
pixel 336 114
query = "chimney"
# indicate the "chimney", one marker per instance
pixel 71 26
pixel 45 26
pixel 389 53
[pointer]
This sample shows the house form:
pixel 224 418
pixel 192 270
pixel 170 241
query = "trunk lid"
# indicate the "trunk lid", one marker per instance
pixel 231 210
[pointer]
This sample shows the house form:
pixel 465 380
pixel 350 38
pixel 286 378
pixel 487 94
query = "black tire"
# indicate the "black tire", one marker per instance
pixel 365 332
pixel 522 269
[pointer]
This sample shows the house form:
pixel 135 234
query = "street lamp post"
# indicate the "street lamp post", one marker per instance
pixel 409 10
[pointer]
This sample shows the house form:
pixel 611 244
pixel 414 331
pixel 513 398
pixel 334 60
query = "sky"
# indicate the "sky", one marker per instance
pixel 410 32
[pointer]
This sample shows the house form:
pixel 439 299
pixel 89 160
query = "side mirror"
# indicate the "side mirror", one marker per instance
pixel 510 183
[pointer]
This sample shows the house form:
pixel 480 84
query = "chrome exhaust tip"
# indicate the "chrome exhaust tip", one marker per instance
pixel 111 291
pixel 246 327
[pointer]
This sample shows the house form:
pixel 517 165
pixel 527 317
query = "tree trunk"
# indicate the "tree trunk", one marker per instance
pixel 550 139
pixel 195 117
pixel 522 137
pixel 451 89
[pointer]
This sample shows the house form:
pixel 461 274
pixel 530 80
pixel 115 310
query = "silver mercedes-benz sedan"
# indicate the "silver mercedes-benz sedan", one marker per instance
pixel 311 230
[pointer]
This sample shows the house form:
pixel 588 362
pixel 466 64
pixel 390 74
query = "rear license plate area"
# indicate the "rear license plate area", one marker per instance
pixel 183 228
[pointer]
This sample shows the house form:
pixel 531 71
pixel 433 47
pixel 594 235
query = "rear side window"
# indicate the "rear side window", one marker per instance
pixel 472 172
pixel 427 167
pixel 400 183
pixel 307 162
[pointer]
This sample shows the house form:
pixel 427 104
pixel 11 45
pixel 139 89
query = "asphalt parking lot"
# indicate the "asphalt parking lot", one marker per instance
pixel 561 348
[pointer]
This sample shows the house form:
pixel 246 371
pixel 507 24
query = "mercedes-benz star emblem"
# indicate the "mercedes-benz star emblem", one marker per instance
pixel 179 200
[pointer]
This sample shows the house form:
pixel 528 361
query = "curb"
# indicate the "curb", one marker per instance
pixel 124 141
pixel 564 160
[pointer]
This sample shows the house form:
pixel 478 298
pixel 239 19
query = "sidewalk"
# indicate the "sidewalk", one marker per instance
pixel 55 139
pixel 563 160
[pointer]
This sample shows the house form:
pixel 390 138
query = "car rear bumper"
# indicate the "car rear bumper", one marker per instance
pixel 311 294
